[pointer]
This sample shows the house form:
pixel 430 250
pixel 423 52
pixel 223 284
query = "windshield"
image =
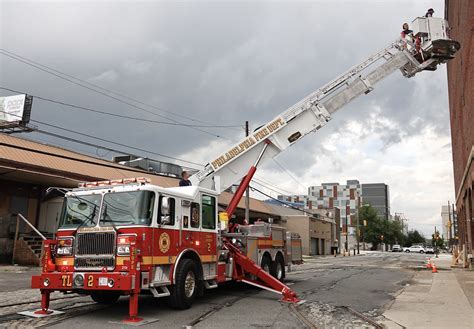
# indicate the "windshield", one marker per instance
pixel 80 211
pixel 128 208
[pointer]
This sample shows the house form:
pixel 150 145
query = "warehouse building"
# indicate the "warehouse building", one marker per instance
pixel 318 228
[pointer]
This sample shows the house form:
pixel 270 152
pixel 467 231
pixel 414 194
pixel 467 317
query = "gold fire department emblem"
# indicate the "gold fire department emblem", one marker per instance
pixel 164 242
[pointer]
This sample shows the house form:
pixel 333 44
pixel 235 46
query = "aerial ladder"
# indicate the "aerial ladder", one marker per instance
pixel 428 47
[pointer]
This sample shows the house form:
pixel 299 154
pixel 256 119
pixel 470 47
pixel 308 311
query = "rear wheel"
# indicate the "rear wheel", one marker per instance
pixel 422 252
pixel 278 268
pixel 184 291
pixel 105 297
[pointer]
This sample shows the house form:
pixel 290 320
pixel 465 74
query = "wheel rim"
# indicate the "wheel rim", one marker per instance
pixel 279 271
pixel 189 284
pixel 266 268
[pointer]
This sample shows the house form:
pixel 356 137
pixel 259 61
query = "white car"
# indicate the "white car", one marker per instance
pixel 419 249
pixel 429 250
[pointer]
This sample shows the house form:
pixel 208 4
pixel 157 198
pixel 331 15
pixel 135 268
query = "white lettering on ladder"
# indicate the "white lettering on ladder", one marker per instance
pixel 247 143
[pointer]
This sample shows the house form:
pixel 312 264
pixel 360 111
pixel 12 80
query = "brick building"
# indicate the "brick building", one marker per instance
pixel 460 15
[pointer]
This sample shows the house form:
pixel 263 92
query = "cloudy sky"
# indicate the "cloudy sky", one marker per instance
pixel 221 63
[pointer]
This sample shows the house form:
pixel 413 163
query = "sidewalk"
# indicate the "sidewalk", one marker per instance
pixel 433 300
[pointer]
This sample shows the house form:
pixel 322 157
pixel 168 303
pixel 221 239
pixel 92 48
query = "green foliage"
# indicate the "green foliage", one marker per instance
pixel 379 230
pixel 437 240
pixel 414 237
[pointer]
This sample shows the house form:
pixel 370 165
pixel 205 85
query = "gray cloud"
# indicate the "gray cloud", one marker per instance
pixel 222 63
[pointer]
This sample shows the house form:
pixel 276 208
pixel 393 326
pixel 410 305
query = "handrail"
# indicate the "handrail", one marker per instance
pixel 18 217
pixel 30 225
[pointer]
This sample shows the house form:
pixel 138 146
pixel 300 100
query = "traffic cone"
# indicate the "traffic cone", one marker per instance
pixel 433 268
pixel 428 264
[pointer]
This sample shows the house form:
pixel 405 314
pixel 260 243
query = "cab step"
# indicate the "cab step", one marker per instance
pixel 210 284
pixel 161 291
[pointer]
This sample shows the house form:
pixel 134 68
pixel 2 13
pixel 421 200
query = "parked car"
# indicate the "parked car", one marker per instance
pixel 396 248
pixel 429 250
pixel 415 248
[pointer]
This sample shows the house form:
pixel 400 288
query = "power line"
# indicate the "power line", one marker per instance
pixel 290 205
pixel 290 175
pixel 116 115
pixel 102 88
pixel 15 57
pixel 101 139
pixel 260 179
pixel 267 186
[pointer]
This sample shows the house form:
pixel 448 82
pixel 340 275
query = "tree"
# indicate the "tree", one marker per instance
pixel 414 237
pixel 374 230
pixel 379 230
pixel 437 240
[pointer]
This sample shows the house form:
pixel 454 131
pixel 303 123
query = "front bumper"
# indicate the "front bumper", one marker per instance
pixel 64 281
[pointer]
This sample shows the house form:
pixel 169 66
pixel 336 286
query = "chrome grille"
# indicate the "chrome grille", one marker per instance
pixel 94 263
pixel 101 243
pixel 95 250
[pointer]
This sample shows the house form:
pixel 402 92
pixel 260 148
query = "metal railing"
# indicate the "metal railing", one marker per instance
pixel 18 217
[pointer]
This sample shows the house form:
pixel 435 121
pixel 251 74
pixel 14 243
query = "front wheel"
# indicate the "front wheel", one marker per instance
pixel 266 264
pixel 105 297
pixel 183 292
pixel 422 252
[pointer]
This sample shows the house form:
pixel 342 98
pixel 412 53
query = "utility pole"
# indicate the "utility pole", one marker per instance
pixel 247 190
pixel 449 224
pixel 455 227
pixel 347 233
pixel 358 234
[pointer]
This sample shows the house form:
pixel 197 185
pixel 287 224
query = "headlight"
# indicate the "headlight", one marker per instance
pixel 46 282
pixel 65 246
pixel 65 251
pixel 123 245
pixel 123 250
pixel 110 283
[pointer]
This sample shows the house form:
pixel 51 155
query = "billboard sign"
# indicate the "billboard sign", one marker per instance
pixel 12 108
pixel 15 111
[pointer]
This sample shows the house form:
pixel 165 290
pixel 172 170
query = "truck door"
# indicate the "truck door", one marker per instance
pixel 165 239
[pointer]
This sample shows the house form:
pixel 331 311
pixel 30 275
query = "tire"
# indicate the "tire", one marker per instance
pixel 278 268
pixel 407 250
pixel 422 252
pixel 185 289
pixel 266 264
pixel 105 297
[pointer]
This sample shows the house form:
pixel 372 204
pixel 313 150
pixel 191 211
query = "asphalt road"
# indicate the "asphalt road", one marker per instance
pixel 16 279
pixel 337 292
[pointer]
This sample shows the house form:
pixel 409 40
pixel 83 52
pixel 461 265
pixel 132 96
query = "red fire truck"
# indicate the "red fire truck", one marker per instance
pixel 126 237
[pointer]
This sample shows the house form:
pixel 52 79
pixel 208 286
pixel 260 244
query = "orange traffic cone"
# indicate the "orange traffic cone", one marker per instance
pixel 433 268
pixel 428 264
